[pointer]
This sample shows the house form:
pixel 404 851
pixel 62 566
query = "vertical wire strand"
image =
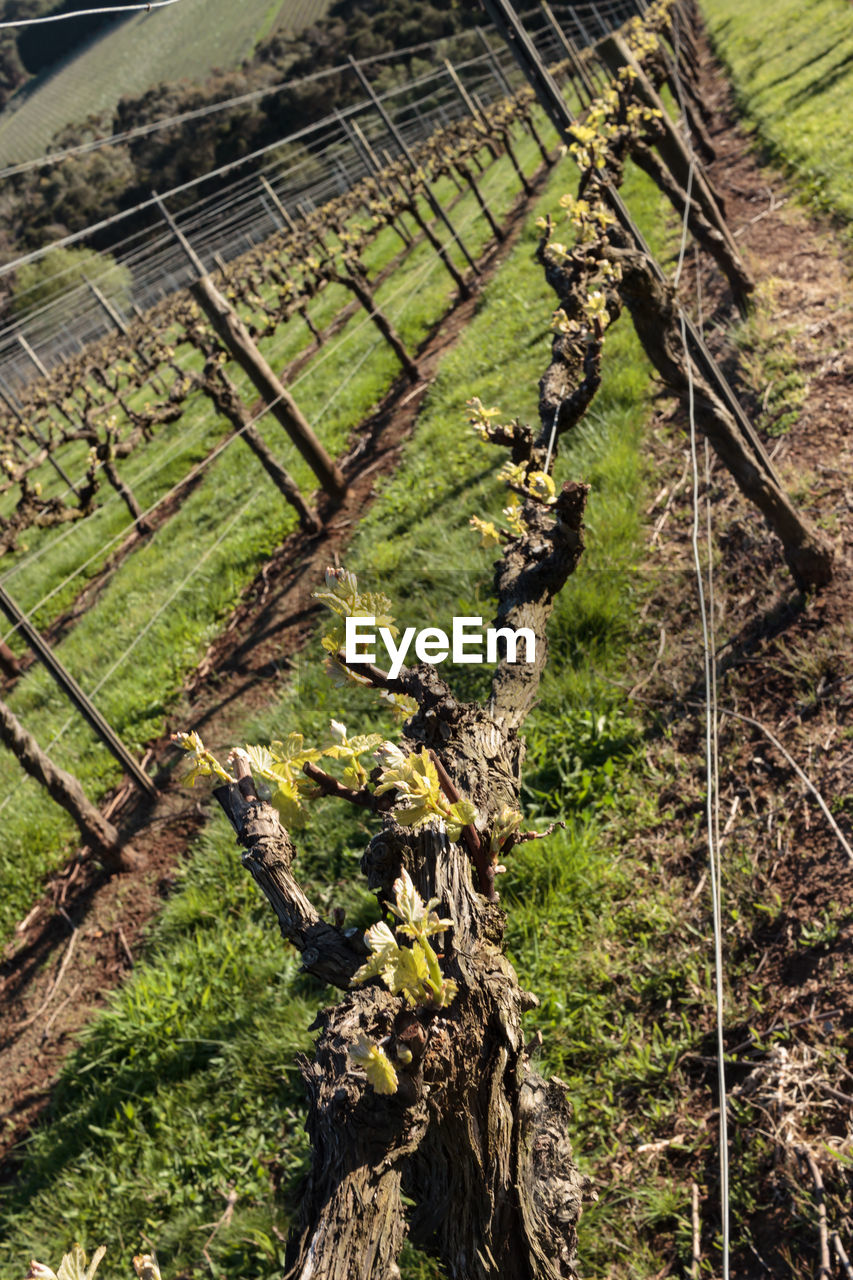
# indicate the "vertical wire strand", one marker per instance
pixel 713 862
pixel 712 815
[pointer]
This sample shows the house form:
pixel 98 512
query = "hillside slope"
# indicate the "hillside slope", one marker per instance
pixel 185 41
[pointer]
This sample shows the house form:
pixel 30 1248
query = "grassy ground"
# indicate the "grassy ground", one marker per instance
pixel 186 1086
pixel 792 67
pixel 187 40
pixel 165 603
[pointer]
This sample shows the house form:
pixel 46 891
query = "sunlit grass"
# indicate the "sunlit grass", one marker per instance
pixel 792 68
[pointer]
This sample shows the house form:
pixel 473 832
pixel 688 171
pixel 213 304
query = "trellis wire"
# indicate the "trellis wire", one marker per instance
pixel 712 815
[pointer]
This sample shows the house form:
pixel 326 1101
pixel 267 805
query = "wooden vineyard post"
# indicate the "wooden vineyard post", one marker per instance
pixel 280 207
pixel 361 152
pixel 362 148
pixel 360 137
pixel 588 41
pixel 235 336
pixel 497 70
pixel 461 165
pixel 690 105
pixel 238 341
pixel 615 53
pixel 580 77
pixel 401 143
pixel 71 688
pixel 657 323
pixel 33 356
pixel 474 109
pixel 107 306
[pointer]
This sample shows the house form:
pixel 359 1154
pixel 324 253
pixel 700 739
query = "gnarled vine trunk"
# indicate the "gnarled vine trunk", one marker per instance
pixel 473 1135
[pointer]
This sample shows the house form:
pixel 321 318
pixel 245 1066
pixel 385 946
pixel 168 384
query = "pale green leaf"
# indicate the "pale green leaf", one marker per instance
pixel 294 751
pixel 73 1265
pixel 287 801
pixel 448 990
pixel 260 759
pixel 462 814
pixel 408 904
pixel 408 975
pixel 376 1064
pixel 384 947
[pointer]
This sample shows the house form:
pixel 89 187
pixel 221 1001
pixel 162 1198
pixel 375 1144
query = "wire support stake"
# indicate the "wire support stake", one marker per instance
pixel 71 688
pixel 402 144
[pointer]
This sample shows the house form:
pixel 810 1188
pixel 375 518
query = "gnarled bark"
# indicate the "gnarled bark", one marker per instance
pixel 473 1135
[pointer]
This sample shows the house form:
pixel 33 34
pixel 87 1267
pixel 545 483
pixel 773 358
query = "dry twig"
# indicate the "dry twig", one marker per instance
pixel 825 1269
pixel 696 1260
pixel 842 1256
pixel 27 1022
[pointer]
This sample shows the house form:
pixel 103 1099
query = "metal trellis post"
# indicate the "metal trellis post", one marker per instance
pixel 69 686
pixel 401 143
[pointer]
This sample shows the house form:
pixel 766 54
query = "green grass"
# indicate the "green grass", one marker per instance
pixel 186 1086
pixel 768 364
pixel 792 68
pixel 187 40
